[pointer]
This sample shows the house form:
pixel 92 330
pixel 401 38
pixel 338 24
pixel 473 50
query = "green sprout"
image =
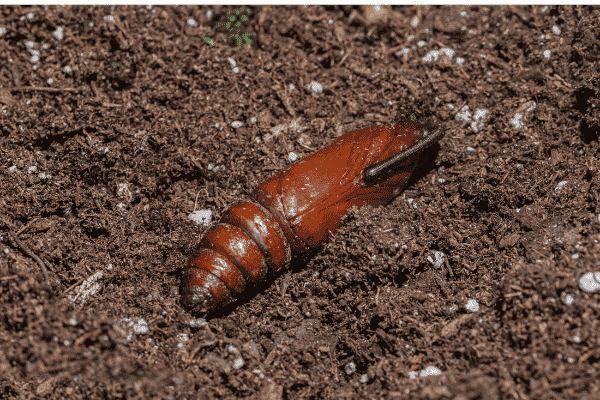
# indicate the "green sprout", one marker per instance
pixel 412 118
pixel 208 40
pixel 114 65
pixel 232 23
pixel 232 19
pixel 342 13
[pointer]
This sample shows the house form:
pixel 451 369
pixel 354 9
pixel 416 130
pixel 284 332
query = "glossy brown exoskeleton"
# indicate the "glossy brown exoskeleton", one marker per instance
pixel 299 209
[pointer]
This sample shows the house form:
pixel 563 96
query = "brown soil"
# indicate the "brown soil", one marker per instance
pixel 103 161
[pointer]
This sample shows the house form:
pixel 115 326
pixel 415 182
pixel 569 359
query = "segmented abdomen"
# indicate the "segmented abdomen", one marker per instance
pixel 240 250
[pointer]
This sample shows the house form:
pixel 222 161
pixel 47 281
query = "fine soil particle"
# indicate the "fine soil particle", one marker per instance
pixel 119 122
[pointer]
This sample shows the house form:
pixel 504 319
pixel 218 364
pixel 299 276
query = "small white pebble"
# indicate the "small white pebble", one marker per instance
pixel 315 87
pixel 479 119
pixel 433 55
pixel 430 370
pixel 472 305
pixel 198 323
pixel 480 113
pixel 350 368
pixel 259 373
pixel 531 105
pixel 448 52
pixel 232 349
pixel 590 282
pixel 238 363
pixel 439 258
pixel 141 327
pixel 201 217
pixel 560 186
pixel 569 299
pixel 182 338
pixel 58 33
pixel 516 121
pixel 464 114
pixel 88 288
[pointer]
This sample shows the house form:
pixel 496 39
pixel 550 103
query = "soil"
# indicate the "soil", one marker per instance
pixel 118 122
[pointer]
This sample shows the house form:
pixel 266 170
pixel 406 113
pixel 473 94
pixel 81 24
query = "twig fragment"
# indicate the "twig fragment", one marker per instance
pixel 42 89
pixel 27 226
pixel 31 254
pixel 285 100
